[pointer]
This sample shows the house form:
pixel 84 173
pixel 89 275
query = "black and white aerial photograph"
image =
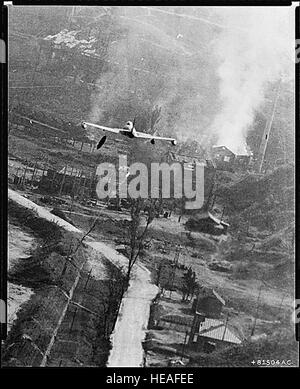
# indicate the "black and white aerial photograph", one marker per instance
pixel 151 187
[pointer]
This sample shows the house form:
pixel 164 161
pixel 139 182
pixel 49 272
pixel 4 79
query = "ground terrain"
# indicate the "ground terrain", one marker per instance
pixel 47 328
pixel 258 249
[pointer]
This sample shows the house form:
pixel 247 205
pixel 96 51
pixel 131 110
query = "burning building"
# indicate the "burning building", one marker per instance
pixel 225 159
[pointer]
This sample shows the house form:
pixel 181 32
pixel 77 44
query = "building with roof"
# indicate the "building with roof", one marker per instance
pixel 176 322
pixel 188 161
pixel 211 334
pixel 206 222
pixel 207 305
pixel 243 161
pixel 225 159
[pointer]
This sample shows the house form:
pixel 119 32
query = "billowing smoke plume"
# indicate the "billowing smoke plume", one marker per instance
pixel 256 53
pixel 159 61
pixel 208 69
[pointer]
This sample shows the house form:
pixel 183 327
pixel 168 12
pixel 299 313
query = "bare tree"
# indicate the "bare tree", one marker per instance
pixel 189 284
pixel 116 286
pixel 140 209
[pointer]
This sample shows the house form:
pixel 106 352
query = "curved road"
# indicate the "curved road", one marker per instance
pixel 134 312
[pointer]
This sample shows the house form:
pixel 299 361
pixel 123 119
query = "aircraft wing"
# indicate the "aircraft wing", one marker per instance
pixel 109 129
pixel 149 136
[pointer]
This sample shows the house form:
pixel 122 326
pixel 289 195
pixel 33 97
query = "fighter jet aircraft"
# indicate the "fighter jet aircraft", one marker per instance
pixel 129 131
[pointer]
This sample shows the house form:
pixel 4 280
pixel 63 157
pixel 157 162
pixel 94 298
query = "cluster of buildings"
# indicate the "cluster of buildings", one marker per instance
pixel 221 158
pixel 206 331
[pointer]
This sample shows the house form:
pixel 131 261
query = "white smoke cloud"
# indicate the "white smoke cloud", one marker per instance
pixel 212 96
pixel 259 53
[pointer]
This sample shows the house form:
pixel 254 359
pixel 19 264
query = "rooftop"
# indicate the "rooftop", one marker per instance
pixel 177 319
pixel 222 147
pixel 69 171
pixel 217 330
pixel 208 215
pixel 243 154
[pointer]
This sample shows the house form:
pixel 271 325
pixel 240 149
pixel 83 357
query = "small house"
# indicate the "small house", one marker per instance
pixel 190 160
pixel 206 222
pixel 223 157
pixel 212 334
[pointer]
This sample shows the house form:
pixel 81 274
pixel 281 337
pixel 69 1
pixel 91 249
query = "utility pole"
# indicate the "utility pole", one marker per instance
pixel 225 328
pixel 184 343
pixel 265 137
pixel 88 278
pixel 73 319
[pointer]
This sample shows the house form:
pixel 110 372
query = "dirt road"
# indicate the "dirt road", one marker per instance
pixel 132 321
pixel 134 312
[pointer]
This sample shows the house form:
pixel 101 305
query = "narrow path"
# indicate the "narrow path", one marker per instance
pixel 132 321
